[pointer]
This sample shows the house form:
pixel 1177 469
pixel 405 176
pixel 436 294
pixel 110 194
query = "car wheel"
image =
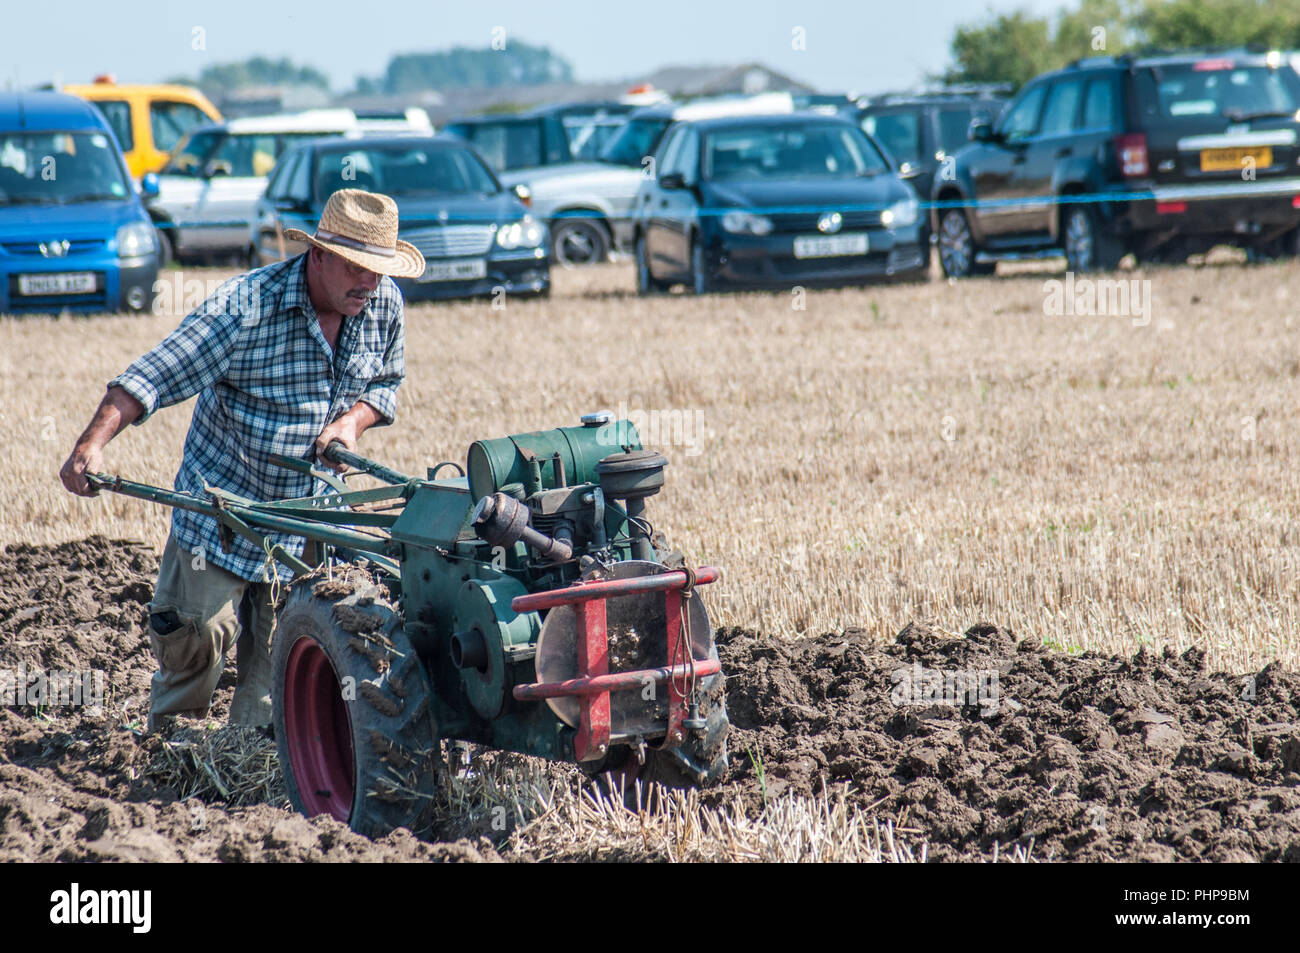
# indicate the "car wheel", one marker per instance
pixel 1288 246
pixel 702 282
pixel 579 241
pixel 1087 246
pixel 166 254
pixel 957 248
pixel 645 281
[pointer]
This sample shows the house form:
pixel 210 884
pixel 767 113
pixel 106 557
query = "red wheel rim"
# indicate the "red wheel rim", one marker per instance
pixel 318 732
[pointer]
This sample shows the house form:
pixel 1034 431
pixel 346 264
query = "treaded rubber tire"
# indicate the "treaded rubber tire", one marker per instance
pixel 1106 251
pixel 951 266
pixel 395 750
pixel 646 284
pixel 702 282
pixel 166 253
pixel 594 229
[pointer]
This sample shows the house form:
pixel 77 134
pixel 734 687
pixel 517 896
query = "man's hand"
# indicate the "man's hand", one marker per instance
pixel 346 430
pixel 84 459
pixel 116 411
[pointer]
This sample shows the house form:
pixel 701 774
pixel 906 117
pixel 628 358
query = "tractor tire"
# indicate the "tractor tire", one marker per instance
pixel 353 708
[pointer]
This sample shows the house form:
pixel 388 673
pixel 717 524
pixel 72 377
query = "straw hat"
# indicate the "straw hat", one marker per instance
pixel 362 227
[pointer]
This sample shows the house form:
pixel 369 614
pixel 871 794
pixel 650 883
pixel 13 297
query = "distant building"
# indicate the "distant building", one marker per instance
pixel 263 100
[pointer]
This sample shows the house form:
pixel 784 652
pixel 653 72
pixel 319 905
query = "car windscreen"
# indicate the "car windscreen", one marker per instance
pixel 588 134
pixel 898 132
pixel 192 152
pixel 1216 88
pixel 636 139
pixel 790 152
pixel 403 170
pixel 59 168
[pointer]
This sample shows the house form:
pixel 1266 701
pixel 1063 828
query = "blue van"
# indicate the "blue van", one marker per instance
pixel 74 234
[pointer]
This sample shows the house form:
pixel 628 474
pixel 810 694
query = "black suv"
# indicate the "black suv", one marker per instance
pixel 920 129
pixel 1162 155
pixel 546 136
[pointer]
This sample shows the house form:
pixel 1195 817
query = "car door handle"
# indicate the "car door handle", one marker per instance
pixel 1019 159
pixel 1062 152
pixel 663 203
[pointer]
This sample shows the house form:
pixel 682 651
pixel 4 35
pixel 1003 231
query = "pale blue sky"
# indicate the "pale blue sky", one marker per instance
pixel 856 46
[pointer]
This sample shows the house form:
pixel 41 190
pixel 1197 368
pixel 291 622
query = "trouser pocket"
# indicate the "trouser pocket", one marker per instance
pixel 177 643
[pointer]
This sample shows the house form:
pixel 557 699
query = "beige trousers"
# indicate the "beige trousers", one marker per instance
pixel 198 613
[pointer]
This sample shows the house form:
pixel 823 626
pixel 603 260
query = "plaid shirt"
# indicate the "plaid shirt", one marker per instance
pixel 268 383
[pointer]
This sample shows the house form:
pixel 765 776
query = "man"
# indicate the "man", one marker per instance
pixel 284 360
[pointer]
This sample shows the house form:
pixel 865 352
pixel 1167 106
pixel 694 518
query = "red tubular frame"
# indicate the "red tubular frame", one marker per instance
pixel 595 682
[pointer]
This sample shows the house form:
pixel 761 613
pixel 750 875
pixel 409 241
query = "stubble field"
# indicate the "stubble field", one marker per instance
pixel 892 453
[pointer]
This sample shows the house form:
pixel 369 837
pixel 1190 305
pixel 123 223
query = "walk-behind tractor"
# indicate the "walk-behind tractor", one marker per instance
pixel 524 604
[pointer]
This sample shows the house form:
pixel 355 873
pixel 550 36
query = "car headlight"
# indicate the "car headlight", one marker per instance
pixel 901 213
pixel 746 223
pixel 526 233
pixel 136 240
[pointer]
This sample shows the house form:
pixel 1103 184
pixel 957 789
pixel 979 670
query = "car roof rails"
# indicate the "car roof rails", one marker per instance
pixel 951 91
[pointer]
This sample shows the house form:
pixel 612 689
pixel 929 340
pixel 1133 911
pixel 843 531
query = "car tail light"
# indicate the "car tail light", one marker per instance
pixel 1132 151
pixel 1171 208
pixel 1295 201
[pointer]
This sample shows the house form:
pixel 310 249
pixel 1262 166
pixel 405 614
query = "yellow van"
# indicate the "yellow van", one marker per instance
pixel 149 119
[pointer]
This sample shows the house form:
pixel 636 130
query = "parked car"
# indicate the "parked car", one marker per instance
pixel 148 120
pixel 208 189
pixel 1163 156
pixel 800 199
pixel 588 206
pixel 475 234
pixel 921 129
pixel 73 232
pixel 549 135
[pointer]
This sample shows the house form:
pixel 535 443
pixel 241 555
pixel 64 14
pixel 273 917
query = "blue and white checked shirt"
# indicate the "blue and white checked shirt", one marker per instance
pixel 268 383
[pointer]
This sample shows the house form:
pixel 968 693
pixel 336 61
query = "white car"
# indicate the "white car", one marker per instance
pixel 588 205
pixel 209 188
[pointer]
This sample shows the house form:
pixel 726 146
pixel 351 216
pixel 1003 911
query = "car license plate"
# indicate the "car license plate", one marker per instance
pixel 460 269
pixel 827 246
pixel 68 283
pixel 1230 160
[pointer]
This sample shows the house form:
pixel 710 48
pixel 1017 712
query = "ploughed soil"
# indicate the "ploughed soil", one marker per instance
pixel 1062 757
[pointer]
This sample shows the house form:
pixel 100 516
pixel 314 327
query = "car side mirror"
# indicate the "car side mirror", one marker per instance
pixel 672 180
pixel 149 186
pixel 216 167
pixel 524 194
pixel 286 203
pixel 980 130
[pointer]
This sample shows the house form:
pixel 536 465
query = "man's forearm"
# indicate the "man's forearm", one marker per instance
pixel 117 411
pixel 365 415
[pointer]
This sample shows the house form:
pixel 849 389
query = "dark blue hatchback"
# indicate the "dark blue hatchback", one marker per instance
pixel 73 232
pixel 774 201
pixel 477 237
